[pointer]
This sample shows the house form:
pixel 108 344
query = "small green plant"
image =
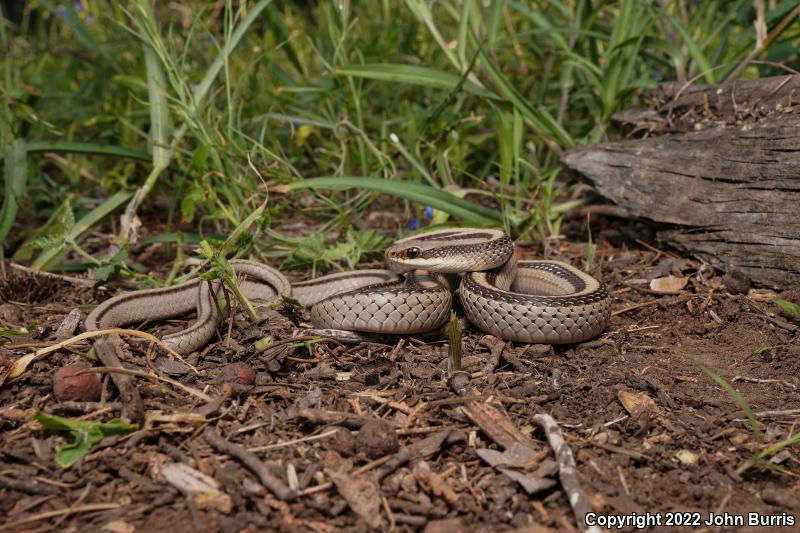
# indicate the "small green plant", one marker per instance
pixel 761 458
pixel 312 252
pixel 761 348
pixel 11 333
pixel 455 348
pixel 85 434
pixel 792 310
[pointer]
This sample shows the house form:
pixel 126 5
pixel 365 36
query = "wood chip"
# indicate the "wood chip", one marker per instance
pixel 361 494
pixel 434 482
pixel 637 403
pixel 530 483
pixel 496 425
pixel 668 284
pixel 202 488
pixel 516 456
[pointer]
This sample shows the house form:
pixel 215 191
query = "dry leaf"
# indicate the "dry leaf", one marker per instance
pixel 637 403
pixel 361 494
pixel 497 425
pixel 531 483
pixel 204 489
pixel 516 456
pixel 668 284
pixel 687 457
pixel 118 526
pixel 434 482
pixel 18 368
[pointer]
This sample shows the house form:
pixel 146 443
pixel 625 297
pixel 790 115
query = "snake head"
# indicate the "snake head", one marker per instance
pixel 403 258
pixel 449 250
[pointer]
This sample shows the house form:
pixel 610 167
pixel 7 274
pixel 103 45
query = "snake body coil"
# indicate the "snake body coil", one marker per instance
pixel 525 301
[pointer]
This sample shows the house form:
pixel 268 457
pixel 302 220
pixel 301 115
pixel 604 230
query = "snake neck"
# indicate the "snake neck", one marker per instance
pixel 505 273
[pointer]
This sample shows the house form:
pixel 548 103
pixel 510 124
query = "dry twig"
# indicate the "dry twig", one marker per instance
pixel 251 461
pixel 567 470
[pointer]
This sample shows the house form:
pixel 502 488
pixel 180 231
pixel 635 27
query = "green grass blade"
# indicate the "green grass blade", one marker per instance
pixel 203 87
pixel 738 398
pixel 67 14
pixel 159 109
pixel 48 257
pixel 16 181
pixel 87 148
pixel 422 11
pixel 553 31
pixel 275 22
pixel 791 309
pixel 413 75
pixel 696 53
pixel 622 24
pixel 539 118
pixel 494 21
pixel 413 192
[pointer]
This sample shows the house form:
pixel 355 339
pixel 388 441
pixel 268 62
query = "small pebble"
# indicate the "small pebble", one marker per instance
pixel 687 457
pixel 736 281
pixel 447 525
pixel 67 387
pixel 377 438
pixel 240 373
pixel 344 442
pixel 10 313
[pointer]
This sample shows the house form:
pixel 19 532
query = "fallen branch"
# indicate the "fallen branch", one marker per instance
pixel 90 508
pixel 567 470
pixel 21 364
pixel 108 350
pixel 146 375
pixel 251 461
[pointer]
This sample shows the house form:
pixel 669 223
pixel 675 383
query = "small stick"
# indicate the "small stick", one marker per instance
pixel 146 375
pixel 358 471
pixel 293 441
pixel 82 407
pixel 567 470
pixel 251 461
pixel 657 301
pixel 496 347
pixel 61 512
pixel 75 281
pixel 397 460
pixel 108 350
pixel 616 449
pixel 30 487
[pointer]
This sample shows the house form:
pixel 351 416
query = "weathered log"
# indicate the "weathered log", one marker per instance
pixel 724 169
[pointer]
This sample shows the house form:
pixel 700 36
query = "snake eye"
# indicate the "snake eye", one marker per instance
pixel 412 253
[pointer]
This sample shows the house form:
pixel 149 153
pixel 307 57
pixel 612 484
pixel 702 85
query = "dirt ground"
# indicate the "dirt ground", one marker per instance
pixel 373 436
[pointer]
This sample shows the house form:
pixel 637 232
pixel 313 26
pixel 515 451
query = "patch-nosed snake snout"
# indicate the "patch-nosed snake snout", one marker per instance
pixel 526 301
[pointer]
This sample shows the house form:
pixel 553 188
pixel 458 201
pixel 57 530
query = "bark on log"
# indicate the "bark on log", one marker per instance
pixel 725 170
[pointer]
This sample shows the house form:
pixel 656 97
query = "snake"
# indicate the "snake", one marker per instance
pixel 529 301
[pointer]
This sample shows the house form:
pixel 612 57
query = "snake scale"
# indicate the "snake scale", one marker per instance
pixel 525 301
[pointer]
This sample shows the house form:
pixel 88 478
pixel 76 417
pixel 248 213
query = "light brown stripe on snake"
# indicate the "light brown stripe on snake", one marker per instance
pixel 529 301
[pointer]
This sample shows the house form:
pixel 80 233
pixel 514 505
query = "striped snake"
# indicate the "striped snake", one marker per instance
pixel 526 301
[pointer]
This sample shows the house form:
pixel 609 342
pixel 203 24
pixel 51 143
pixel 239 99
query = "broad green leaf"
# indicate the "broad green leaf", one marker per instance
pixel 413 75
pixel 16 181
pixel 85 434
pixel 9 333
pixel 791 309
pixel 48 257
pixel 86 148
pixel 414 192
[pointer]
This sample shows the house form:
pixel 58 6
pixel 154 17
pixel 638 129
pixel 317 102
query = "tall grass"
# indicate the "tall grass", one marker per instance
pixel 235 99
